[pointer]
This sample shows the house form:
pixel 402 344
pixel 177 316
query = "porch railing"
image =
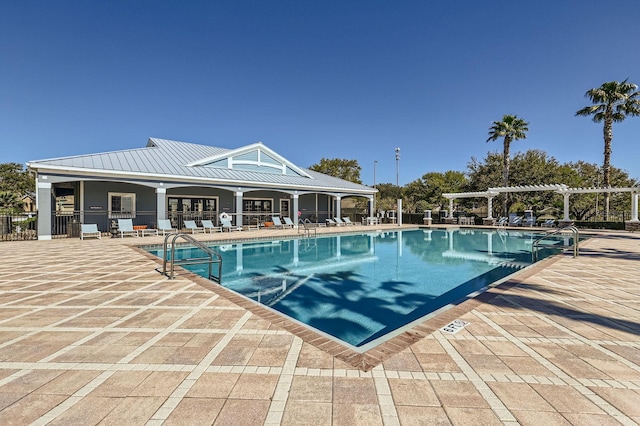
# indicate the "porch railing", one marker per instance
pixel 67 224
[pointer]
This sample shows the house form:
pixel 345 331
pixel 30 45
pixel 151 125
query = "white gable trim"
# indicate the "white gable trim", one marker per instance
pixel 231 160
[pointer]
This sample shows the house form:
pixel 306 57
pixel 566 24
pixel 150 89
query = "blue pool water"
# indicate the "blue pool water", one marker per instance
pixel 360 287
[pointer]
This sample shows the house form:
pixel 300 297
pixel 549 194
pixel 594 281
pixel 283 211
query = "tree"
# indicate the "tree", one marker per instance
pixel 336 167
pixel 511 128
pixel 533 167
pixel 388 195
pixel 10 202
pixel 613 101
pixel 13 178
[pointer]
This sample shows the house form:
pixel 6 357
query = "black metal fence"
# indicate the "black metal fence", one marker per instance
pixel 18 227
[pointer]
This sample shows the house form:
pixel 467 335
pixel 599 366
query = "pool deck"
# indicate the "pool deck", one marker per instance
pixel 91 333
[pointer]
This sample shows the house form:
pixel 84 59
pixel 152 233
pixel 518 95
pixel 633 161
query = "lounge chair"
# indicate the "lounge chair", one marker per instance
pixel 339 221
pixel 502 221
pixel 191 226
pixel 347 221
pixel 515 221
pixel 309 223
pixel 549 223
pixel 288 222
pixel 164 226
pixel 207 224
pixel 276 222
pixel 125 227
pixel 331 222
pixel 89 230
pixel 226 225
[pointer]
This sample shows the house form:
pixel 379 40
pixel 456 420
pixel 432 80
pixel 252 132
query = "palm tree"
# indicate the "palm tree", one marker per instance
pixel 511 128
pixel 612 101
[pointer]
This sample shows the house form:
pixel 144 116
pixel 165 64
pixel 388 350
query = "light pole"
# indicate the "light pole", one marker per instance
pixel 397 165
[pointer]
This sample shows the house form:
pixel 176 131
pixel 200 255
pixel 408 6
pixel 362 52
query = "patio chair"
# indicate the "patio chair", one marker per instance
pixel 208 224
pixel 347 221
pixel 125 227
pixel 191 226
pixel 164 226
pixel 339 221
pixel 226 225
pixel 276 222
pixel 89 230
pixel 331 222
pixel 288 222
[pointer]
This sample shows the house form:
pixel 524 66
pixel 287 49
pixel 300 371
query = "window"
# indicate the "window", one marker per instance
pixel 122 205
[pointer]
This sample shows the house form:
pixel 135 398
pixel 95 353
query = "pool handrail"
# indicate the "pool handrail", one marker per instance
pixel 575 247
pixel 209 259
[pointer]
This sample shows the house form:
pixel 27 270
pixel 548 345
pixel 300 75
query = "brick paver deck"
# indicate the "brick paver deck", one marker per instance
pixel 91 334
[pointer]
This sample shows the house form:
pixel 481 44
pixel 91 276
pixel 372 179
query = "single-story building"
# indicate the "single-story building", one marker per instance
pixel 178 181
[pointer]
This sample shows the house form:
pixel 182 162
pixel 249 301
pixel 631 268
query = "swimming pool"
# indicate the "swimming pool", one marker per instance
pixel 362 287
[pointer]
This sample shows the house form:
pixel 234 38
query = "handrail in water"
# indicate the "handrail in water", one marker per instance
pixel 538 243
pixel 211 257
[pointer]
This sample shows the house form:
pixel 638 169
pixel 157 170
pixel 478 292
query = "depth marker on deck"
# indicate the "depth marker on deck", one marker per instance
pixel 454 326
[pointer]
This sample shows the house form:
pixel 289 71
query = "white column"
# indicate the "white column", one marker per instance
pixel 634 206
pixel 338 200
pixel 238 214
pixel 566 206
pixel 371 207
pixel 81 202
pixel 43 194
pixel 399 212
pixel 161 204
pixel 295 210
pixel 489 207
pixel 450 207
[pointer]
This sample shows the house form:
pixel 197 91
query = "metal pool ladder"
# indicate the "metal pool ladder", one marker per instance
pixel 567 229
pixel 211 257
pixel 307 230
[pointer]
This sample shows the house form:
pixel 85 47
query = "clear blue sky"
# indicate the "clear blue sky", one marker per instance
pixel 313 79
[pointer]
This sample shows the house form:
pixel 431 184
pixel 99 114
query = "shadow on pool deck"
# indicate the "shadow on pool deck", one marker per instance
pixel 90 333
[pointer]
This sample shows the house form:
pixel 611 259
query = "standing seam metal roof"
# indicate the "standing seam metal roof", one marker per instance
pixel 167 157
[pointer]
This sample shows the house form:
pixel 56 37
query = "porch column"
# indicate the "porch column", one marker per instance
pixel 295 210
pixel 338 200
pixel 399 212
pixel 238 214
pixel 161 204
pixel 634 207
pixel 81 203
pixel 450 207
pixel 371 207
pixel 43 198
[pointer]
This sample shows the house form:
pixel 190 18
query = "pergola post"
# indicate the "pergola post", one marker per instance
pixel 565 220
pixel 489 220
pixel 633 224
pixel 634 207
pixel 450 207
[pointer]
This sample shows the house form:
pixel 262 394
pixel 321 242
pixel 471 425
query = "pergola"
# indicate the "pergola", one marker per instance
pixel 490 193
